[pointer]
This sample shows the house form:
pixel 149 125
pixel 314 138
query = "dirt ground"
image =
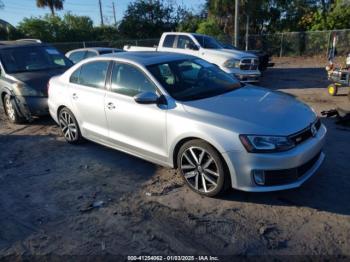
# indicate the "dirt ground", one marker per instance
pixel 59 199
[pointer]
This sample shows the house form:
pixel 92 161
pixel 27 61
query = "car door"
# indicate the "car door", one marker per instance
pixel 136 128
pixel 87 91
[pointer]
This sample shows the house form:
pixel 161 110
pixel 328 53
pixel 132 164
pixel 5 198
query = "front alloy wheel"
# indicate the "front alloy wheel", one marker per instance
pixel 11 110
pixel 69 126
pixel 202 168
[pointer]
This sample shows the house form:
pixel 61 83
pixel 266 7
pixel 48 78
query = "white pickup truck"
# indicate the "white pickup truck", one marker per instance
pixel 241 64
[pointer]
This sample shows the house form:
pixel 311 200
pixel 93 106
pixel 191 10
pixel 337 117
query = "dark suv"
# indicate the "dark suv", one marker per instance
pixel 25 69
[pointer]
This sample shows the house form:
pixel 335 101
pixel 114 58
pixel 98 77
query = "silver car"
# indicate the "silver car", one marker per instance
pixel 183 112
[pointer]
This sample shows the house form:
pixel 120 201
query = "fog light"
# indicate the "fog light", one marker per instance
pixel 259 177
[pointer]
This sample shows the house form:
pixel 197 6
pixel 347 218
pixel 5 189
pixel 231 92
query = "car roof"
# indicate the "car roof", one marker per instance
pixel 149 57
pixel 94 48
pixel 19 44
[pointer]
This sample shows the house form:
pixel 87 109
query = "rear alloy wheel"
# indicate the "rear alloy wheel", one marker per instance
pixel 69 126
pixel 202 168
pixel 11 111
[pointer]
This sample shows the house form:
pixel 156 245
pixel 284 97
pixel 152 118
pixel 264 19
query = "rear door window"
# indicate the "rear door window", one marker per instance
pixel 90 54
pixel 92 74
pixel 169 41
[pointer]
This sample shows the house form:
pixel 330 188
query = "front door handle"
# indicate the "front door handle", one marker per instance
pixel 75 96
pixel 110 106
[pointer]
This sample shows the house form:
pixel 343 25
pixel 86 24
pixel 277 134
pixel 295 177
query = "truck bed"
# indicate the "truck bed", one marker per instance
pixel 139 48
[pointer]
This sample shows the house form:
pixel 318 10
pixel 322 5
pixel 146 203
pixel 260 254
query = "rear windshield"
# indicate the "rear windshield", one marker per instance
pixel 28 59
pixel 103 52
pixel 108 51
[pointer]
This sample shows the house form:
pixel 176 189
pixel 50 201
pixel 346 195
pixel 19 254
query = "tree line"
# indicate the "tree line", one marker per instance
pixel 149 18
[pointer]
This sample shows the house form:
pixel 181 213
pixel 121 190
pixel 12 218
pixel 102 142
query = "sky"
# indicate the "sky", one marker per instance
pixel 16 10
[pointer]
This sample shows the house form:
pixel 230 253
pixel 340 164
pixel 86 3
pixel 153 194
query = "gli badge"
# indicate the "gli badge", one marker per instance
pixel 313 130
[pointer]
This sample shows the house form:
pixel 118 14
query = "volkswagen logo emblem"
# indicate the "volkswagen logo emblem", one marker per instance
pixel 313 130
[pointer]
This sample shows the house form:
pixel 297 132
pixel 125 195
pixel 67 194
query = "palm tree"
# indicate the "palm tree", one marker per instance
pixel 52 4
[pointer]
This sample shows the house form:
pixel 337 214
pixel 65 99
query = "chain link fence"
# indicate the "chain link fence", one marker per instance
pixel 311 43
pixel 67 46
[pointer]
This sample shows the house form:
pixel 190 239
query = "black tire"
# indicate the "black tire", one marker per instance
pixel 195 171
pixel 69 126
pixel 11 110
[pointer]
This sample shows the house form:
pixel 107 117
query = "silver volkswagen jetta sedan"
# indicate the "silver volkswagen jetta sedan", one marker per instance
pixel 183 112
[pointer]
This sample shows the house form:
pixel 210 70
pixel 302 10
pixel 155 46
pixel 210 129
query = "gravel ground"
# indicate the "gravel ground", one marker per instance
pixel 59 199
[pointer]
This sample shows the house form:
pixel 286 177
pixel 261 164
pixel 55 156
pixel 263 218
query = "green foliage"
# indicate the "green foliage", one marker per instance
pixel 147 19
pixel 7 33
pixel 105 33
pixel 338 17
pixel 52 4
pixel 210 27
pixel 150 18
pixel 69 28
pixel 36 28
pixel 264 15
pixel 189 22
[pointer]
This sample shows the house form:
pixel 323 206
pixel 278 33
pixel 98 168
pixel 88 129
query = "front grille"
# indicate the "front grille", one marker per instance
pixel 287 176
pixel 249 64
pixel 305 134
pixel 249 67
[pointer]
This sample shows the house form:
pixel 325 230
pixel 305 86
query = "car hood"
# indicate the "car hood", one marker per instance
pixel 38 79
pixel 222 55
pixel 253 110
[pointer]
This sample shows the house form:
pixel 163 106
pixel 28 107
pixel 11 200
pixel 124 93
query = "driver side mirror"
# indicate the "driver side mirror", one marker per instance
pixel 146 98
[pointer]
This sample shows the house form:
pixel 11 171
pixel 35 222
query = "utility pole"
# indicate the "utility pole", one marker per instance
pixel 115 19
pixel 236 22
pixel 247 34
pixel 99 2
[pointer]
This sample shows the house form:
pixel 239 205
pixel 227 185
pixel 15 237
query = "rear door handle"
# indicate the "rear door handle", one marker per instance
pixel 75 96
pixel 110 106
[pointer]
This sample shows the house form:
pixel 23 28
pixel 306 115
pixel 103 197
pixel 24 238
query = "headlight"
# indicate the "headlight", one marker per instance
pixel 24 90
pixel 265 144
pixel 232 63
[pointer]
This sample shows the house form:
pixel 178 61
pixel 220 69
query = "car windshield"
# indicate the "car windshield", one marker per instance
pixel 187 80
pixel 28 59
pixel 228 46
pixel 208 42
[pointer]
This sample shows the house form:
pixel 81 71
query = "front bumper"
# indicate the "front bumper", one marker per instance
pixel 248 78
pixel 29 106
pixel 241 164
pixel 245 76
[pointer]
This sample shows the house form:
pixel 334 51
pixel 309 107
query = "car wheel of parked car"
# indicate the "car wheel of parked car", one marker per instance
pixel 69 126
pixel 11 111
pixel 202 168
pixel 332 89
